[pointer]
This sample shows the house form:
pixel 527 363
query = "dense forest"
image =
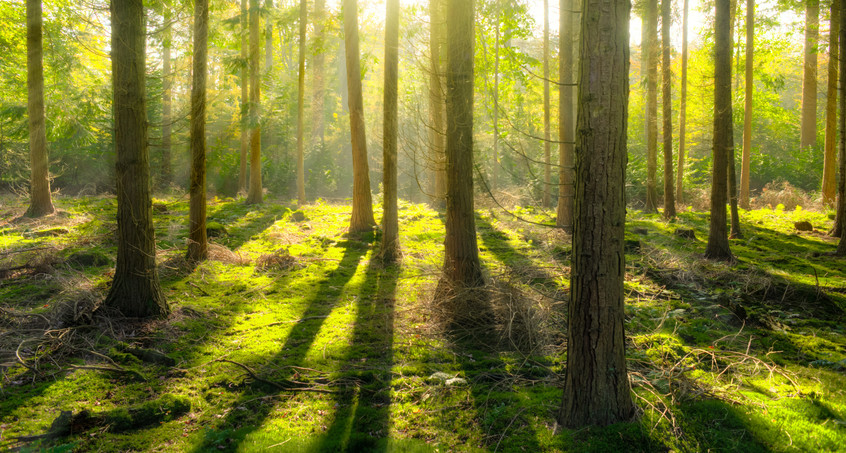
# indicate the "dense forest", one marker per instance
pixel 422 225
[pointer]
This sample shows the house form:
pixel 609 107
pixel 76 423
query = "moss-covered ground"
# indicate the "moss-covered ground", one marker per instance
pixel 294 337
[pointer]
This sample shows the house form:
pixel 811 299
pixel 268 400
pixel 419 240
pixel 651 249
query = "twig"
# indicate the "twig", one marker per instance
pixel 289 386
pixel 116 369
pixel 202 291
pixel 32 249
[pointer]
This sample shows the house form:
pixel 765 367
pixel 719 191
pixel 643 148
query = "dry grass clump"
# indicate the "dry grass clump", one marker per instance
pixel 35 261
pixel 783 193
pixel 222 254
pixel 278 260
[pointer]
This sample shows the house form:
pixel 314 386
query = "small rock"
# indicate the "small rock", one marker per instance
pixel 685 233
pixel 298 216
pixel 456 381
pixel 804 226
pixel 214 229
pixel 440 376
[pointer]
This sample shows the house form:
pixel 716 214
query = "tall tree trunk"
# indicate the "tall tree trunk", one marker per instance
pixel 245 103
pixel 462 268
pixel 255 194
pixel 566 131
pixel 808 132
pixel 747 115
pixel 390 224
pixel 730 160
pixel 829 179
pixel 301 198
pixel 40 203
pixel 362 209
pixel 318 78
pixel 718 245
pixel 198 244
pixel 596 387
pixel 437 114
pixel 651 105
pixel 667 105
pixel 167 99
pixel 268 38
pixel 135 290
pixel 547 137
pixel 495 166
pixel 840 221
pixel 682 108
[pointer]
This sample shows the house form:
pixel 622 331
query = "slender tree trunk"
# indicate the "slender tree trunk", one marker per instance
pixel 40 203
pixel 808 132
pixel 362 209
pixel 651 105
pixel 390 223
pixel 840 221
pixel 301 197
pixel 730 160
pixel 747 115
pixel 254 196
pixel 829 179
pixel 198 244
pixel 268 38
pixel 318 78
pixel 437 114
pixel 682 108
pixel 245 103
pixel 667 105
pixel 167 100
pixel 495 169
pixel 547 136
pixel 135 290
pixel 566 130
pixel 718 245
pixel 596 387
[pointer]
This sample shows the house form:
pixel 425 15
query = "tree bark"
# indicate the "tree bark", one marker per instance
pixel 651 105
pixel 682 108
pixel 808 132
pixel 198 244
pixel 245 103
pixel 718 245
pixel 547 136
pixel 566 131
pixel 167 100
pixel 840 220
pixel 362 209
pixel 254 196
pixel 40 203
pixel 747 114
pixel 495 166
pixel 437 114
pixel 318 81
pixel 301 197
pixel 829 179
pixel 596 387
pixel 667 105
pixel 390 224
pixel 135 290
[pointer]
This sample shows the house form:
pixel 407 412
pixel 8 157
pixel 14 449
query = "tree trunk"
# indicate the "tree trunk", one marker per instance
pixel 495 166
pixel 390 223
pixel 167 100
pixel 318 81
pixel 718 245
pixel 268 38
pixel 651 105
pixel 135 290
pixel 41 202
pixel 596 387
pixel 547 136
pixel 245 104
pixel 301 197
pixel 808 132
pixel 462 268
pixel 747 115
pixel 198 244
pixel 566 132
pixel 254 196
pixel 829 179
pixel 362 209
pixel 840 221
pixel 682 108
pixel 667 105
pixel 437 114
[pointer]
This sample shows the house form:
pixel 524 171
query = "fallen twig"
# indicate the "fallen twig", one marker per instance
pixel 287 386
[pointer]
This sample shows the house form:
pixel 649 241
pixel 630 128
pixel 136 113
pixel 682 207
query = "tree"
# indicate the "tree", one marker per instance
pixel 651 14
pixel 437 114
pixel 301 198
pixel 40 203
pixel 268 37
pixel 362 209
pixel 198 244
pixel 255 193
pixel 390 223
pixel 747 114
pixel 167 98
pixel 840 220
pixel 596 387
pixel 718 245
pixel 566 130
pixel 245 103
pixel 462 268
pixel 318 60
pixel 496 163
pixel 135 290
pixel 829 178
pixel 547 162
pixel 682 107
pixel 808 132
pixel 667 105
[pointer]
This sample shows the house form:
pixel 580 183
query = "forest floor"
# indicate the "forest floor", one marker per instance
pixel 293 337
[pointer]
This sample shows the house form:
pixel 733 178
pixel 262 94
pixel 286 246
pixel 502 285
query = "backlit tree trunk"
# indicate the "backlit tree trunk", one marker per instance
pixel 495 166
pixel 40 201
pixel 437 114
pixel 390 224
pixel 667 105
pixel 254 195
pixel 651 105
pixel 268 38
pixel 808 131
pixel 362 209
pixel 596 387
pixel 547 137
pixel 198 245
pixel 840 220
pixel 747 114
pixel 566 131
pixel 829 179
pixel 682 108
pixel 318 76
pixel 167 100
pixel 301 198
pixel 135 290
pixel 245 103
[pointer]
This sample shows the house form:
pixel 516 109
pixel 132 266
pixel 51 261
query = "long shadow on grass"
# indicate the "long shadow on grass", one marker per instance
pixel 248 413
pixel 362 418
pixel 241 234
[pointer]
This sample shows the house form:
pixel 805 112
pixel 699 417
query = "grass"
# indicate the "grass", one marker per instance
pixel 294 338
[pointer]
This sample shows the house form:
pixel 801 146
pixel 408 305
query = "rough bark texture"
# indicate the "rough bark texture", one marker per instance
pixel 808 131
pixel 462 268
pixel 840 221
pixel 318 81
pixel 596 388
pixel 166 176
pixel 566 130
pixel 829 178
pixel 667 105
pixel 245 104
pixel 198 244
pixel 746 158
pixel 135 290
pixel 362 209
pixel 682 107
pixel 40 201
pixel 390 224
pixel 651 105
pixel 718 245
pixel 547 136
pixel 301 198
pixel 437 114
pixel 255 193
